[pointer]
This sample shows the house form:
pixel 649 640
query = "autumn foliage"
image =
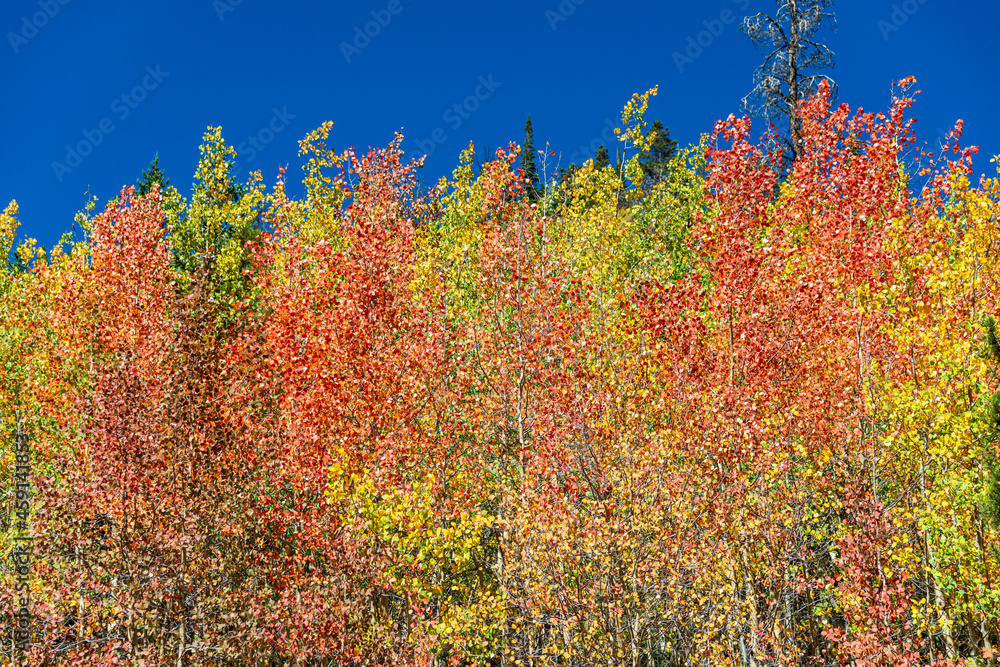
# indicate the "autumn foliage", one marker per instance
pixel 747 415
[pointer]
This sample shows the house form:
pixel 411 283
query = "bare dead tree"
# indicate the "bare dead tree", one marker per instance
pixel 788 73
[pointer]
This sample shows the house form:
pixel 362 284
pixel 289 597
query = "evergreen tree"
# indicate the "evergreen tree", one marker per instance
pixel 601 159
pixel 151 176
pixel 656 160
pixel 528 161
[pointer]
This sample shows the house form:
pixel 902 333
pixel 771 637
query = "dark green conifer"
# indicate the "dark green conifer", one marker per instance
pixel 601 159
pixel 151 176
pixel 656 159
pixel 528 161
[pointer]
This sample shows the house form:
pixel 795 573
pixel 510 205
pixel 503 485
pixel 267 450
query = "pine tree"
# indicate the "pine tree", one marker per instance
pixel 528 161
pixel 656 160
pixel 788 73
pixel 601 159
pixel 151 176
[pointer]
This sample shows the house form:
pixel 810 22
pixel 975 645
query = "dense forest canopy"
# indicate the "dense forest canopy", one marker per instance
pixel 696 406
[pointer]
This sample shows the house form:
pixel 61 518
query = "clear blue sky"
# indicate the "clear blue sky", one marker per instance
pixel 256 66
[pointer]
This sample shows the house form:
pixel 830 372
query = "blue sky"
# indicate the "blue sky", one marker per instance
pixel 129 79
